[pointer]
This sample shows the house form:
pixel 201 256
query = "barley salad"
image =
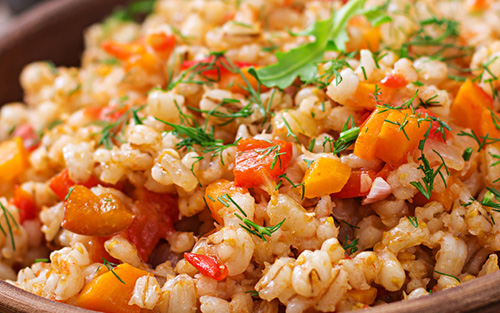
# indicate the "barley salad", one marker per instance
pixel 258 156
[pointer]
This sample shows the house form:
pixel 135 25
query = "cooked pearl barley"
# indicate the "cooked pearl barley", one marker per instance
pixel 345 89
pixel 146 292
pixel 312 273
pixel 162 105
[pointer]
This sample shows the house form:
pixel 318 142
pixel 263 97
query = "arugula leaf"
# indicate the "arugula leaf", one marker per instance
pixel 330 34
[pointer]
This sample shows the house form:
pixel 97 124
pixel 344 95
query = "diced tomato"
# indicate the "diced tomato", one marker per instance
pixel 384 172
pixel 352 188
pixel 257 161
pixel 155 215
pixel 207 265
pixel 61 183
pixel 31 140
pixel 434 133
pixel 394 81
pixel 24 201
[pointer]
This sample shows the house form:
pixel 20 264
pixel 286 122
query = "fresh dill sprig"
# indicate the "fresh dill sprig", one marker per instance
pixel 289 130
pixel 353 246
pixel 111 267
pixel 449 275
pixel 413 220
pixel 8 216
pixel 257 230
pixel 482 141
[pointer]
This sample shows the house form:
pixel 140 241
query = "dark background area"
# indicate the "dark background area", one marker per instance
pixel 52 31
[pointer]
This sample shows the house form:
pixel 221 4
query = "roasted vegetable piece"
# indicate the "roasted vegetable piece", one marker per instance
pixel 13 159
pixel 88 214
pixel 325 176
pixel 207 265
pixel 24 201
pixel 467 108
pixel 61 184
pixel 220 188
pixel 106 293
pixel 358 185
pixel 258 161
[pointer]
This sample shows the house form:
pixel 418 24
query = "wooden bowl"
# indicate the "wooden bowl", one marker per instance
pixel 53 31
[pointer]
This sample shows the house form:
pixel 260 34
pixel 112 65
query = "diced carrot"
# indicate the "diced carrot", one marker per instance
pixel 478 5
pixel 490 124
pixel 106 293
pixel 325 176
pixel 352 188
pixel 88 214
pixel 142 52
pixel 155 215
pixel 24 201
pixel 364 96
pixel 13 159
pixel 395 142
pixel 258 161
pixel 366 142
pixel 369 35
pixel 61 183
pixel 220 188
pixel 467 108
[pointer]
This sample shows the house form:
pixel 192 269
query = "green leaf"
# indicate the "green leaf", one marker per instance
pixel 329 34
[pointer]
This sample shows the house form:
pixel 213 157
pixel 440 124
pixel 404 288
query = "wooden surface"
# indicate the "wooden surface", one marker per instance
pixel 53 31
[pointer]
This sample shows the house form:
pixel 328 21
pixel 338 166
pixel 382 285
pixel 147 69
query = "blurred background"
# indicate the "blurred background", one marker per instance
pixel 12 7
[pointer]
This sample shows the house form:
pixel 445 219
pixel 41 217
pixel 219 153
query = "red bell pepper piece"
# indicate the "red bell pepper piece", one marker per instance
pixel 207 265
pixel 24 201
pixel 259 160
pixel 61 183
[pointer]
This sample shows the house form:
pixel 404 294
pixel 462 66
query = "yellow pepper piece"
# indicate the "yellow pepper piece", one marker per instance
pixel 325 176
pixel 13 159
